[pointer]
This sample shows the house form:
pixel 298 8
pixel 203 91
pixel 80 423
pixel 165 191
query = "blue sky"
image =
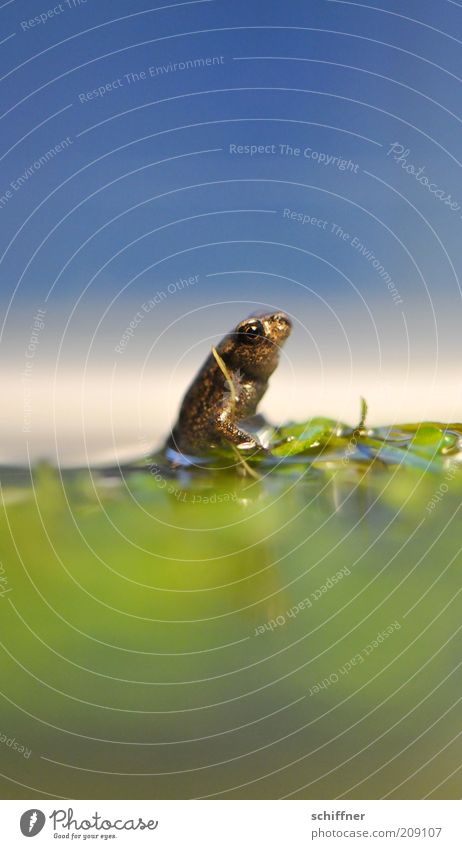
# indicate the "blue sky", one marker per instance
pixel 144 189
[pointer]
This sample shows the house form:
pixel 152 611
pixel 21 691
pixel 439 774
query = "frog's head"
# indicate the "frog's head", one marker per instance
pixel 253 346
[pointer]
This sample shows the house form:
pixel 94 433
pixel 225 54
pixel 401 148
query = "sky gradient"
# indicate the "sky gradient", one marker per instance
pixel 166 170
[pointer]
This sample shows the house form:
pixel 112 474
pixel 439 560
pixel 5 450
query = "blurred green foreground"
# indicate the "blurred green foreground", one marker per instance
pixel 205 634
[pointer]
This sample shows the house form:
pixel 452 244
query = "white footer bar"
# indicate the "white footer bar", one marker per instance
pixel 234 824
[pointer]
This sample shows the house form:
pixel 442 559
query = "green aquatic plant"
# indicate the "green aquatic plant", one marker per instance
pixel 321 442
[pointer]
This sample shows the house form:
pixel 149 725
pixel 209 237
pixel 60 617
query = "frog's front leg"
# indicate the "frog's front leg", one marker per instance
pixel 227 429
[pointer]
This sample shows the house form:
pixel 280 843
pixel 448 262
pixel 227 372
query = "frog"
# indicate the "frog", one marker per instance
pixel 229 387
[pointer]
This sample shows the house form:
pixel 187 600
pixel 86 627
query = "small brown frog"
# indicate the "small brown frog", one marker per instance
pixel 212 409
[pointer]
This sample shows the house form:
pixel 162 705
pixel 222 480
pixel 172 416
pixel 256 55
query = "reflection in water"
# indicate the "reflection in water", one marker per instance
pixel 199 639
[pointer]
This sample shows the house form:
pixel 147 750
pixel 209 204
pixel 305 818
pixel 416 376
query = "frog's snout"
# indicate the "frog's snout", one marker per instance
pixel 279 327
pixel 283 323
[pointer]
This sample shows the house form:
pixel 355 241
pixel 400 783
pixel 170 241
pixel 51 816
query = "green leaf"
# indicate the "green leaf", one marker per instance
pixel 313 435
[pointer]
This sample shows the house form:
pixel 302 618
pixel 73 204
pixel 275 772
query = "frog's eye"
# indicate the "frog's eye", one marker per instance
pixel 252 329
